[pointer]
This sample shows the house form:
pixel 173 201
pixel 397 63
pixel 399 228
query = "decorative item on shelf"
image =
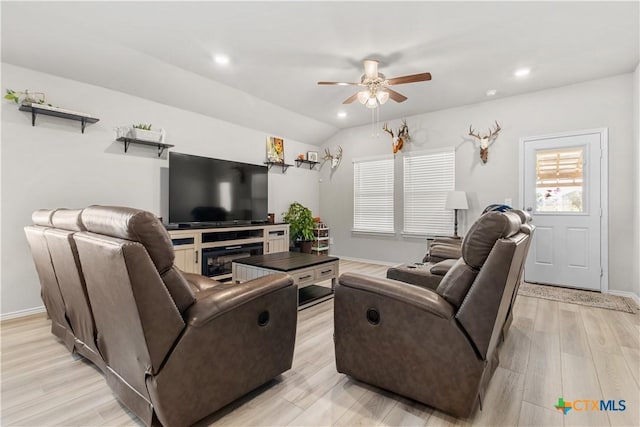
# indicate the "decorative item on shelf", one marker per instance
pixel 271 218
pixel 335 160
pixel 456 200
pixel 485 140
pixel 312 156
pixel 301 157
pixel 275 150
pixel 397 142
pixel 143 132
pixel 301 226
pixel 25 97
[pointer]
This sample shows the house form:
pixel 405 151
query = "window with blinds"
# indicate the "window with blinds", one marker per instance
pixel 428 177
pixel 373 195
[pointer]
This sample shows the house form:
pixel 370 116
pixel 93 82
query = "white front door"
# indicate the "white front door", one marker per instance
pixel 564 178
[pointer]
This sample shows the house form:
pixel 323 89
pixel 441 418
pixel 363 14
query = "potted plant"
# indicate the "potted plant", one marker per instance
pixel 144 133
pixel 25 97
pixel 301 226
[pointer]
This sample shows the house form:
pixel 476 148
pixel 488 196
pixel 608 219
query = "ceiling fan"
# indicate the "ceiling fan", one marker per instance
pixel 376 86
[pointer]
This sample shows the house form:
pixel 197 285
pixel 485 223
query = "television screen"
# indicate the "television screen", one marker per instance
pixel 209 190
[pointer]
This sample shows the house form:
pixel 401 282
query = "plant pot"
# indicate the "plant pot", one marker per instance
pixel 305 246
pixel 146 135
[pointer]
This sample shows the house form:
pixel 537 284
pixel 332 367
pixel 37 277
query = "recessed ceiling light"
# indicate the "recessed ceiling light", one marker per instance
pixel 221 59
pixel 342 114
pixel 491 92
pixel 522 72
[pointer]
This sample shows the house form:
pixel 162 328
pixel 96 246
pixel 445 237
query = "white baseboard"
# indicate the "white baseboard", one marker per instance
pixel 631 295
pixel 22 313
pixel 368 261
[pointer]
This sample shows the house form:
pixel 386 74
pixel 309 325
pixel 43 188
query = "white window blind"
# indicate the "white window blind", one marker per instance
pixel 428 177
pixel 373 195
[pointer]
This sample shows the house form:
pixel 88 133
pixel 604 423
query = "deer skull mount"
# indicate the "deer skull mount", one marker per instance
pixel 335 160
pixel 397 142
pixel 485 141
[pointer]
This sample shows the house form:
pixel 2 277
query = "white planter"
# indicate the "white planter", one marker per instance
pixel 147 135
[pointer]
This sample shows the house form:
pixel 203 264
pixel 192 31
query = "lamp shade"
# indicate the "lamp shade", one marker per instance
pixel 456 200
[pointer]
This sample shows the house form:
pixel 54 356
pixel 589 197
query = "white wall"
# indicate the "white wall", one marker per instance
pixel 54 165
pixel 595 104
pixel 635 279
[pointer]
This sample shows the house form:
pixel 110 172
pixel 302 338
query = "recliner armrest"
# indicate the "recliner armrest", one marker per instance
pixel 216 301
pixel 198 282
pixel 419 297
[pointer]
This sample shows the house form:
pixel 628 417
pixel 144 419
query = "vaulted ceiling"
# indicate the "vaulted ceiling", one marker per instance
pixel 164 51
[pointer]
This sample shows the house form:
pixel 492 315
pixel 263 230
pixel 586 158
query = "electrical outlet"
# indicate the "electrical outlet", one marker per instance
pixel 508 202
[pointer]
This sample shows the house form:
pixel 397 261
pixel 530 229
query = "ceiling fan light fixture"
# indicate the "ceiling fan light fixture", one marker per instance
pixel 363 96
pixel 372 102
pixel 382 96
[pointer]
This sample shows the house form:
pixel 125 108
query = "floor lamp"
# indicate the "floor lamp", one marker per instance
pixel 456 200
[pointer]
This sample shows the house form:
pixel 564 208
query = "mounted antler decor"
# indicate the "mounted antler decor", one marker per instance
pixel 485 140
pixel 335 160
pixel 397 142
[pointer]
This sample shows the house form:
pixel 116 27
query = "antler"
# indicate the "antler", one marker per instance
pixel 328 155
pixel 403 132
pixel 493 133
pixel 386 129
pixel 339 155
pixel 475 135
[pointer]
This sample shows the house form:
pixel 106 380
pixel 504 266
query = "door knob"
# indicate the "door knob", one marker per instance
pixel 529 209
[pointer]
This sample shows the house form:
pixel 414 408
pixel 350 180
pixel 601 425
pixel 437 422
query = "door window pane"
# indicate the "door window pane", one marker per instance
pixel 560 180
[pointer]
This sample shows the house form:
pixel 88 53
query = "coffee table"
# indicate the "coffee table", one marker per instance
pixel 305 269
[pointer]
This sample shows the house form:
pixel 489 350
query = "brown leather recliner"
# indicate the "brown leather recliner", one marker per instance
pixel 49 288
pixel 174 350
pixel 437 347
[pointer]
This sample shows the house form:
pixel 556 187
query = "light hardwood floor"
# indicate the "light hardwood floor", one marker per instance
pixel 553 349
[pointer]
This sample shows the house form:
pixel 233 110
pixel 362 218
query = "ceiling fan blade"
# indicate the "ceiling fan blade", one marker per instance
pixel 409 79
pixel 350 99
pixel 370 68
pixel 339 83
pixel 396 96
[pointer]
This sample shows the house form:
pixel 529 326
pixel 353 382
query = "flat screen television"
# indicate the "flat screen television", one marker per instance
pixel 206 190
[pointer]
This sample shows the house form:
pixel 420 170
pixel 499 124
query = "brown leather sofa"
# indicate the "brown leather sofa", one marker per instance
pixel 174 347
pixel 437 347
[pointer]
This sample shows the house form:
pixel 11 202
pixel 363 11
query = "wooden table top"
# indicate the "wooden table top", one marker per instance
pixel 286 261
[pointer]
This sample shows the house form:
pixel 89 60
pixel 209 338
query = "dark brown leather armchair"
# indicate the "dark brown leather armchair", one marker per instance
pixel 174 347
pixel 437 347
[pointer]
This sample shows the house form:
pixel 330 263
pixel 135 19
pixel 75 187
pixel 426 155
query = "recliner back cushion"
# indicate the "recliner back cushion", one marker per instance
pixel 141 226
pixel 67 219
pixel 42 217
pixel 484 233
pixel 456 283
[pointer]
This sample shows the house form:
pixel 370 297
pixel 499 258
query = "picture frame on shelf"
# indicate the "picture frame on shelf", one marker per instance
pixel 275 149
pixel 312 156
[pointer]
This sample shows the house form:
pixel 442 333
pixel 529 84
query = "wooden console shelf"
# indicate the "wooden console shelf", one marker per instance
pixel 192 245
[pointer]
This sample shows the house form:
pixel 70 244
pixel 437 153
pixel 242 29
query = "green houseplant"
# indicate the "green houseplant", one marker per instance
pixel 301 225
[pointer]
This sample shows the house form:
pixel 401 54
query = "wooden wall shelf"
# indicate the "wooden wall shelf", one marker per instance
pixel 35 110
pixel 284 166
pixel 129 141
pixel 311 163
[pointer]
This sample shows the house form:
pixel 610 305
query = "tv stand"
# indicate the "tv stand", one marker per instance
pixel 194 243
